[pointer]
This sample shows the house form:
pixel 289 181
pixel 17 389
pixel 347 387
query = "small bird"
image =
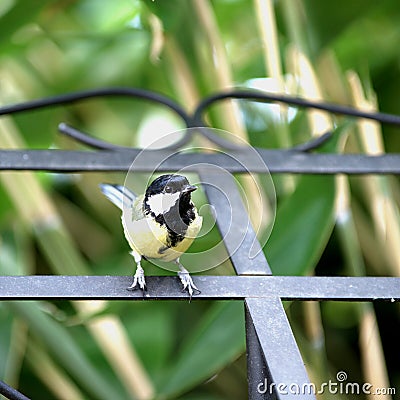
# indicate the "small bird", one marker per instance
pixel 160 224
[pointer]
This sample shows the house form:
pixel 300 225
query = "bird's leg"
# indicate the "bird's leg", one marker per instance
pixel 138 278
pixel 186 279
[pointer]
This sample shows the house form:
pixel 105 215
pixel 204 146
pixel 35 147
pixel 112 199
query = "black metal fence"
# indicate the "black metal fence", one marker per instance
pixel 272 352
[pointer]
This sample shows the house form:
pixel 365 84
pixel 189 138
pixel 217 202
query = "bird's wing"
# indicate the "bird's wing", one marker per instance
pixel 137 209
pixel 119 195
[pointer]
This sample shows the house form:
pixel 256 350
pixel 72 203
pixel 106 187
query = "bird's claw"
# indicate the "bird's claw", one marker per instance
pixel 138 279
pixel 188 283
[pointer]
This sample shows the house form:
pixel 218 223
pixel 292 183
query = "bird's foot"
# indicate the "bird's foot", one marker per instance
pixel 138 279
pixel 188 283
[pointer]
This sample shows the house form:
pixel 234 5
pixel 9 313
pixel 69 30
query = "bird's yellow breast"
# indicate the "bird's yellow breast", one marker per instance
pixel 147 237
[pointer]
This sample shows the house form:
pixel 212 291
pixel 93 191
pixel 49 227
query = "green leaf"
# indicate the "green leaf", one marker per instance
pixel 305 220
pixel 109 16
pixel 64 348
pixel 17 16
pixel 152 331
pixel 325 30
pixel 302 227
pixel 219 339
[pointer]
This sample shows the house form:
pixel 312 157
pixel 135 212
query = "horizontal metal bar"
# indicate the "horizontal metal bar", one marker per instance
pixel 212 287
pixel 277 161
pixel 285 365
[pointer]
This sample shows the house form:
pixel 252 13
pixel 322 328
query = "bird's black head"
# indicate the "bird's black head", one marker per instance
pixel 168 200
pixel 170 184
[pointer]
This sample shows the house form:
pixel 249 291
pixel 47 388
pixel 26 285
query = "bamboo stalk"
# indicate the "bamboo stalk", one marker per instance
pixel 319 123
pixel 56 380
pixel 223 74
pixel 157 34
pixel 315 336
pixel 266 23
pixel 372 356
pixel 367 239
pixel 17 352
pixel 382 206
pixel 179 71
pixel 269 35
pixel 114 343
pixel 293 11
pixel 335 85
pixel 373 363
pixel 260 212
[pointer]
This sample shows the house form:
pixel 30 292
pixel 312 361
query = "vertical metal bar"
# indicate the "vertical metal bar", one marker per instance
pixel 288 375
pixel 233 223
pixel 257 372
pixel 275 366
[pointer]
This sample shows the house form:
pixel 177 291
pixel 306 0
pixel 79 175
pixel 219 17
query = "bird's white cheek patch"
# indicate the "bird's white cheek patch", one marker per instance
pixel 162 203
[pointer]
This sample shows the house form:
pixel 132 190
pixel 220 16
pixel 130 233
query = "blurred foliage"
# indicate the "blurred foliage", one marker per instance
pixel 344 52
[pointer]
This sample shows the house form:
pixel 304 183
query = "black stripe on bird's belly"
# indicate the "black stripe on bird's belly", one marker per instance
pixel 177 220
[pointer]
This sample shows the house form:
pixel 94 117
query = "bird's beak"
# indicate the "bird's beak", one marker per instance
pixel 189 189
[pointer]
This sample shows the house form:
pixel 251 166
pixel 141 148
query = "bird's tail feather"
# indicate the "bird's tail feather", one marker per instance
pixel 118 195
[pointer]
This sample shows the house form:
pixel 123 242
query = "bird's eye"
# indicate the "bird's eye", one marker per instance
pixel 168 189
